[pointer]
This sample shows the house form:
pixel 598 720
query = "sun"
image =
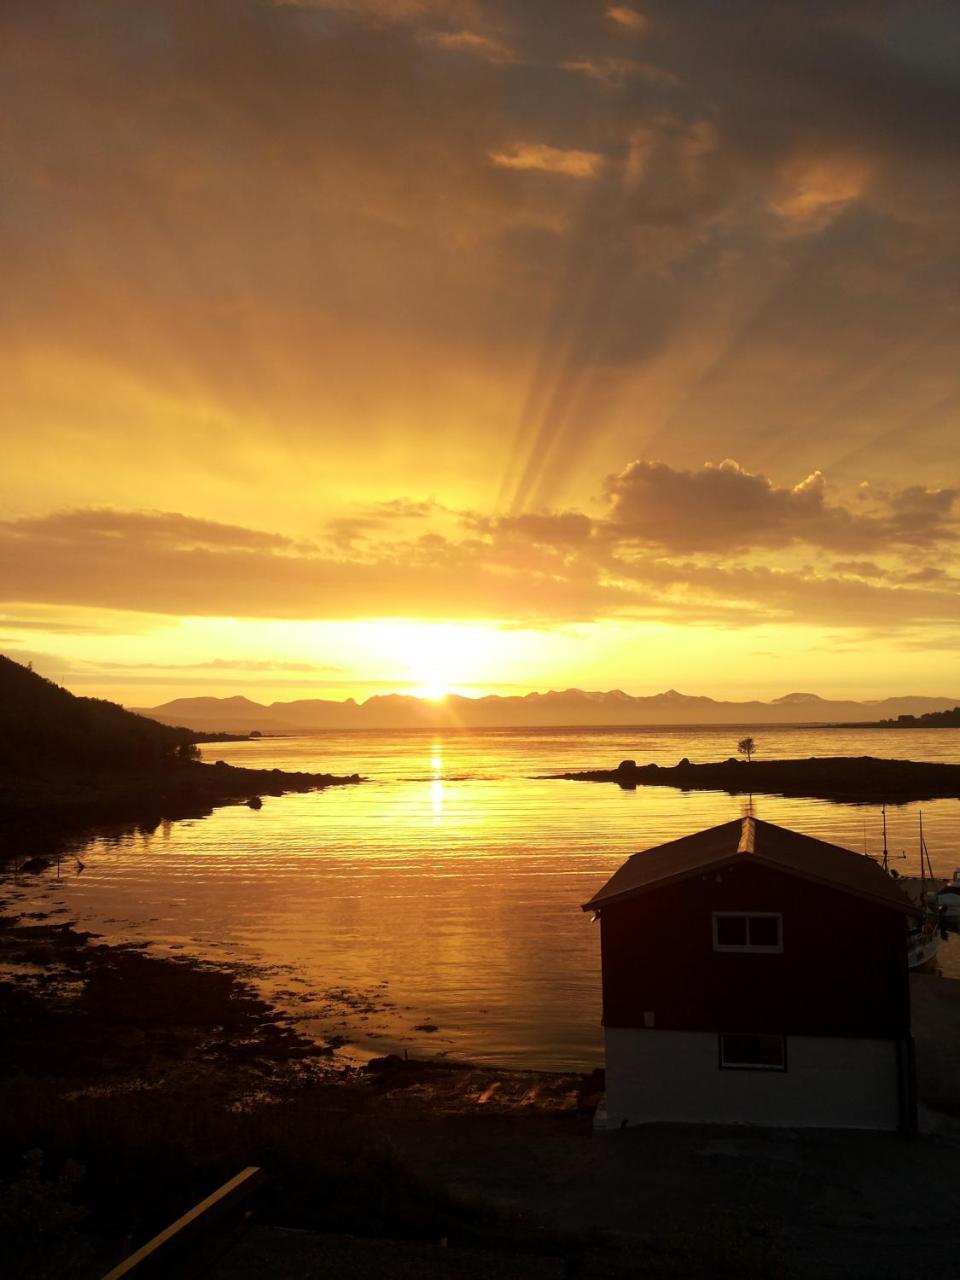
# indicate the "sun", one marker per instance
pixel 435 661
pixel 433 691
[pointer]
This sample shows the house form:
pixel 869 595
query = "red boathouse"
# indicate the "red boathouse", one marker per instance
pixel 755 975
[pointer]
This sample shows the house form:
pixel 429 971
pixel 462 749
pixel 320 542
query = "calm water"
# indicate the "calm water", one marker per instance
pixel 445 891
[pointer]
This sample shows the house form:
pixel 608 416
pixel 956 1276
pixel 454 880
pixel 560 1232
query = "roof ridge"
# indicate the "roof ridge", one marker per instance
pixel 748 836
pixel 753 841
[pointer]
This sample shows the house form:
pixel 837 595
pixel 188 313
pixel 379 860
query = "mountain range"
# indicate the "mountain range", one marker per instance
pixel 556 708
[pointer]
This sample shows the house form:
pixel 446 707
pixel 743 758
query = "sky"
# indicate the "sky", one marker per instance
pixel 358 345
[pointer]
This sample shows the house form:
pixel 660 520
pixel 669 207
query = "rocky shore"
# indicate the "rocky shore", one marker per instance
pixel 847 779
pixel 45 812
pixel 131 1085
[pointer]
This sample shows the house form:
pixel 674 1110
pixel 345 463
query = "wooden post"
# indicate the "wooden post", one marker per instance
pixel 156 1252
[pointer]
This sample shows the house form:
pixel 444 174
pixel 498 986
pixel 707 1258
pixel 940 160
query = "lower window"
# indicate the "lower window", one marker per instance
pixel 753 1052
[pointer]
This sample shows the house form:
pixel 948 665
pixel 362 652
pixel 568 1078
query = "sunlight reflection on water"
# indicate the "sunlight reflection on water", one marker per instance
pixel 449 885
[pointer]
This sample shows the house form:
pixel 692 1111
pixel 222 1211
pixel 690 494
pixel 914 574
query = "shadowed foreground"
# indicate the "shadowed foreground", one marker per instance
pixel 131 1086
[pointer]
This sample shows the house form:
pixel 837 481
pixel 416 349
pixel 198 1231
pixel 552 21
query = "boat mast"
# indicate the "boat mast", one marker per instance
pixel 886 856
pixel 923 873
pixel 925 855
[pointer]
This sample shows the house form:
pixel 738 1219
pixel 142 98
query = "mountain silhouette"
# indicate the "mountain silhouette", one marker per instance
pixel 44 726
pixel 556 708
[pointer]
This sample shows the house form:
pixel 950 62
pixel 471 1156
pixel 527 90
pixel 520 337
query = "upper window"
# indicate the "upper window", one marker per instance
pixel 747 931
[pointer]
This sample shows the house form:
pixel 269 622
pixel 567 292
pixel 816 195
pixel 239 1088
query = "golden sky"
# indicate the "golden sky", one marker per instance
pixel 351 345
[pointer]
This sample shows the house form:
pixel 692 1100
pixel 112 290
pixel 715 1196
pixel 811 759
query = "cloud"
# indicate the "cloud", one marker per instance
pixel 617 71
pixel 538 156
pixel 104 525
pixel 723 508
pixel 470 42
pixel 918 501
pixel 814 190
pixel 249 574
pixel 261 267
pixel 718 545
pixel 625 16
pixel 274 269
pixel 859 568
pixel 406 508
pixel 231 664
pixel 559 530
pixel 394 11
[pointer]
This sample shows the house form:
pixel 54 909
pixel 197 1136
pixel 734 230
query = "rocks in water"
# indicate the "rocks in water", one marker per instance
pixel 254 803
pixel 35 865
pixel 683 764
pixel 390 1062
pixel 426 1026
pixel 626 766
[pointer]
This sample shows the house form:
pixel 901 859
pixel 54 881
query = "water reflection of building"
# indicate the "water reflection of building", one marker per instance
pixel 755 975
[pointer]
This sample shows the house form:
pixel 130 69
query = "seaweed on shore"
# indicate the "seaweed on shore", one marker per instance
pixel 132 1084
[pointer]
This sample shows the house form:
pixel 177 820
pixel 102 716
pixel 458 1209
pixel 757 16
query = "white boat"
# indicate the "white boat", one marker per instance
pixel 923 940
pixel 947 899
pixel 923 943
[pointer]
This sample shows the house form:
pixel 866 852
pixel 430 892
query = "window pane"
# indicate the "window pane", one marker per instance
pixel 764 931
pixel 751 1051
pixel 731 931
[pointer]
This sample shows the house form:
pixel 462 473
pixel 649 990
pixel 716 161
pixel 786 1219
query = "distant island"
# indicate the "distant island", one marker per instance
pixel 69 764
pixel 846 779
pixel 564 708
pixel 932 720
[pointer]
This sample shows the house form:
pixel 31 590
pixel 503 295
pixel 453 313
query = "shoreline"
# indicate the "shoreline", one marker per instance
pixel 134 1084
pixel 843 779
pixel 84 1011
pixel 52 812
pixel 131 1084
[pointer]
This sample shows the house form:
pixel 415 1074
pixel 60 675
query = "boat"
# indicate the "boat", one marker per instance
pixel 947 899
pixel 924 937
pixel 923 942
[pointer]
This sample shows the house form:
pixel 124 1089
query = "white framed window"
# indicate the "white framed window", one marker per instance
pixel 752 1051
pixel 760 931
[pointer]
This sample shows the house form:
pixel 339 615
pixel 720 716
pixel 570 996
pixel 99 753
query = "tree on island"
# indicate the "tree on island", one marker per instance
pixel 746 747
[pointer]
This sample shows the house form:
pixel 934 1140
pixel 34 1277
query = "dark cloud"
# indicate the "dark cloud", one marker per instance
pixel 723 508
pixel 549 528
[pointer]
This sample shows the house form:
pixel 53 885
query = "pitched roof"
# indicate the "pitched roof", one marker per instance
pixel 763 843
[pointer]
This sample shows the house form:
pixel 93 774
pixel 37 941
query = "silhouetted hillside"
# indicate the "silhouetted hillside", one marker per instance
pixel 42 726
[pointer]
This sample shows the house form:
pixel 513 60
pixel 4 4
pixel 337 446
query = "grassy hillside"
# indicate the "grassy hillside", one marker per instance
pixel 43 726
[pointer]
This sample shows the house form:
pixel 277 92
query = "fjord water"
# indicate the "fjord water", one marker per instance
pixel 444 892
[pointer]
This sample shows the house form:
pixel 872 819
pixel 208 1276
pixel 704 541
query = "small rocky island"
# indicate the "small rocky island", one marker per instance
pixel 849 779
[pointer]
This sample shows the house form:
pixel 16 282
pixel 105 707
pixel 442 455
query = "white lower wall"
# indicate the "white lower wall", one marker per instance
pixel 674 1076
